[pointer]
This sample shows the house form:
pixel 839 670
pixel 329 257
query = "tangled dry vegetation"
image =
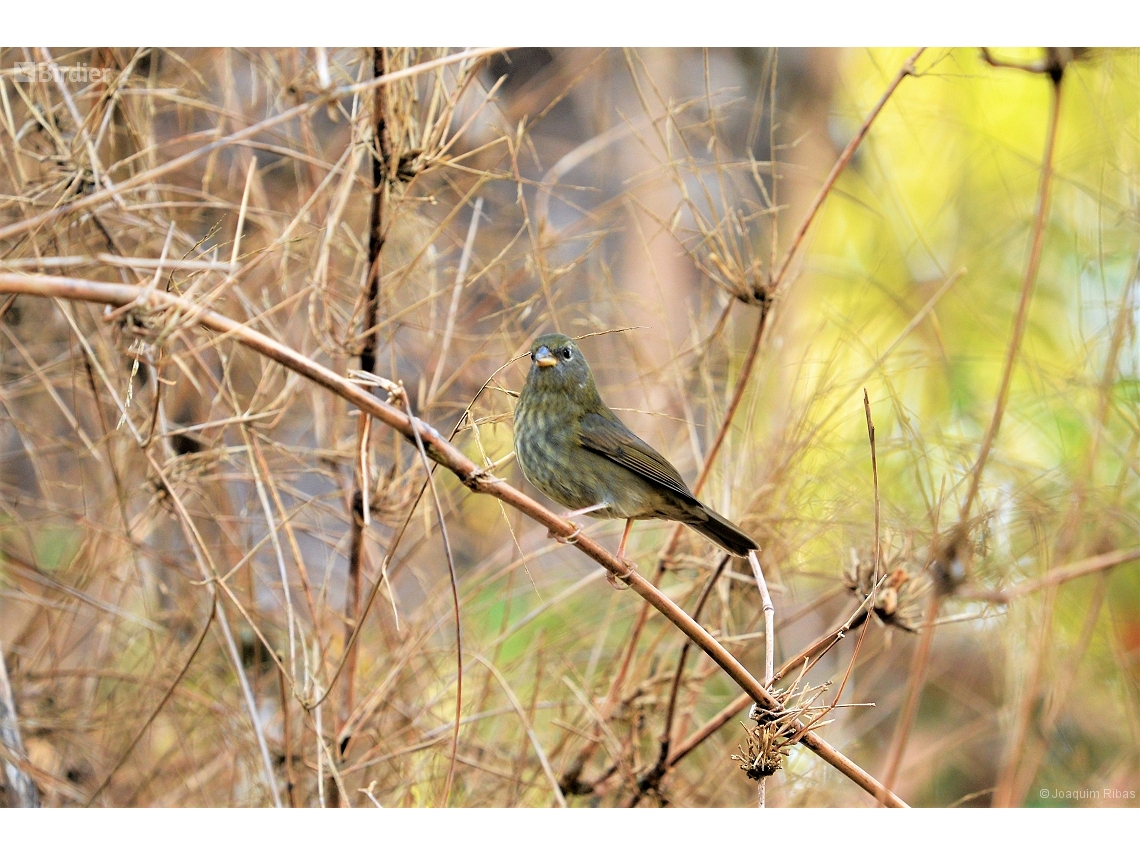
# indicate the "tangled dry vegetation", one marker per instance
pixel 236 570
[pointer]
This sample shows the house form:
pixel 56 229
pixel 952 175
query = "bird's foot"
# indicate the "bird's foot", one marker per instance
pixel 620 580
pixel 570 538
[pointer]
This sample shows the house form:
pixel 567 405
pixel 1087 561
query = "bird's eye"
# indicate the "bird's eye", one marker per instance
pixel 567 353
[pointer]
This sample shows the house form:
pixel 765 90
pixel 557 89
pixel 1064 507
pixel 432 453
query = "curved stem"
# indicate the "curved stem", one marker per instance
pixel 454 597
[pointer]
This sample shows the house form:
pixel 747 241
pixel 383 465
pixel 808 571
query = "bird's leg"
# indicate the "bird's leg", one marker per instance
pixel 573 536
pixel 616 579
pixel 624 537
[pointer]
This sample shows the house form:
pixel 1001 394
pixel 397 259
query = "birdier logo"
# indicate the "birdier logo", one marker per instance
pixel 47 72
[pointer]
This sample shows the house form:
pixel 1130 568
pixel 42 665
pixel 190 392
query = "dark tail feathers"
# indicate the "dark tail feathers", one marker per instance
pixel 723 533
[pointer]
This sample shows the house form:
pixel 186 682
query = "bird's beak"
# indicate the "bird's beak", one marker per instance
pixel 543 358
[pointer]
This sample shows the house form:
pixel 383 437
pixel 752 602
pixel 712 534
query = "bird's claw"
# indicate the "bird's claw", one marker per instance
pixel 570 538
pixel 620 580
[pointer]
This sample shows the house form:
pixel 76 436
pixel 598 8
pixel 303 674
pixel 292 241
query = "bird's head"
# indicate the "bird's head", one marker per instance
pixel 556 364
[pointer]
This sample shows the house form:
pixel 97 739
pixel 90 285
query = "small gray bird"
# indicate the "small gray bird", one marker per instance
pixel 574 449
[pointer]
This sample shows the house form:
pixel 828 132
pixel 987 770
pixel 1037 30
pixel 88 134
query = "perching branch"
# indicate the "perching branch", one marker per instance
pixel 444 453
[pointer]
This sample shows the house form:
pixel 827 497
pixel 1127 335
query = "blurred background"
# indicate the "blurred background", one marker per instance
pixel 185 556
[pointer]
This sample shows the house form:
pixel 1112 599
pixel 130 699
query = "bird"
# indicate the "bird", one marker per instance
pixel 575 450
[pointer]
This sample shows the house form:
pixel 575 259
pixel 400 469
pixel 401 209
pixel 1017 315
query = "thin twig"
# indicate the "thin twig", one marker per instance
pixel 456 291
pixel 210 578
pixel 126 752
pixel 287 730
pixel 915 679
pixel 652 779
pixel 531 735
pixel 413 423
pixel 1058 576
pixel 1022 317
pixel 1005 789
pixel 875 475
pixel 769 644
pixel 875 580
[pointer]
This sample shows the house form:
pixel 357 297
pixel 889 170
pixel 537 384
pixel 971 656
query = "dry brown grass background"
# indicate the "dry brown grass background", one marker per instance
pixel 198 609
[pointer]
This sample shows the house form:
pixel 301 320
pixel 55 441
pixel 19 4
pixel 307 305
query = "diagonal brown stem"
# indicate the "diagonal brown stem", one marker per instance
pixel 1027 284
pixel 907 70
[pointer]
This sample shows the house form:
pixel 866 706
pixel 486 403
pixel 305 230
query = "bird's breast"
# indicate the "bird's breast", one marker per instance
pixel 553 461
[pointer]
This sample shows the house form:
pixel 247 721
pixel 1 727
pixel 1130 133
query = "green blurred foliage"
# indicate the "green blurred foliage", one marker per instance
pixel 947 182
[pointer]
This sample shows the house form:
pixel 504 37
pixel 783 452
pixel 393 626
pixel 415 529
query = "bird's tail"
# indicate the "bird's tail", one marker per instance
pixel 724 534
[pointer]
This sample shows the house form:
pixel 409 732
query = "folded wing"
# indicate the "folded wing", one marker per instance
pixel 613 440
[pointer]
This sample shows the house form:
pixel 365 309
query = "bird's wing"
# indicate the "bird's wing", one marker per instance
pixel 613 440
